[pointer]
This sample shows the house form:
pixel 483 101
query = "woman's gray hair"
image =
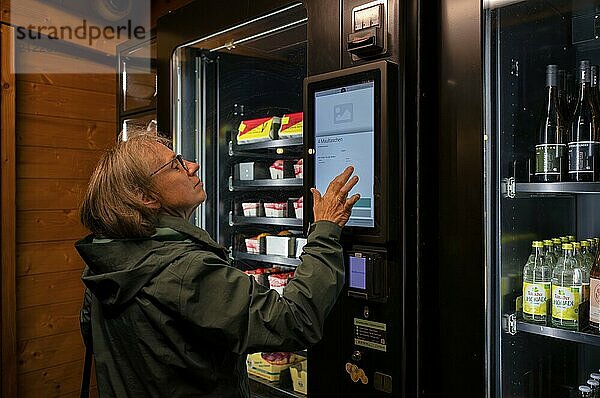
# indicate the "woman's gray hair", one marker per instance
pixel 114 203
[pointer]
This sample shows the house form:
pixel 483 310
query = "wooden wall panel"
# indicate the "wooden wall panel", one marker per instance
pixel 45 352
pixel 39 258
pixel 58 132
pixel 47 100
pixel 51 382
pixel 43 226
pixel 48 320
pixel 37 162
pixel 53 194
pixel 8 171
pixel 50 288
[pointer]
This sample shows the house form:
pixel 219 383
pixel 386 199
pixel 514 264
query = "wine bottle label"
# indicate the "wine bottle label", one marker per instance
pixel 548 157
pixel 534 297
pixel 581 156
pixel 595 300
pixel 565 302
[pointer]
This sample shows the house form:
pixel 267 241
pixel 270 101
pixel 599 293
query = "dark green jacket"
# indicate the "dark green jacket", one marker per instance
pixel 171 318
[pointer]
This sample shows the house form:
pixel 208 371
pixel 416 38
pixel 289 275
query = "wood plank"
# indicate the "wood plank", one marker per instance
pixel 93 394
pixel 48 225
pixel 51 382
pixel 44 99
pixel 38 258
pixel 102 80
pixel 38 162
pixel 8 346
pixel 47 320
pixel 55 287
pixel 53 194
pixel 57 132
pixel 45 352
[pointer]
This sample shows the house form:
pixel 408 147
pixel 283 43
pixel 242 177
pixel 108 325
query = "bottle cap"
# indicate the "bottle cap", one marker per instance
pixel 564 239
pixel 556 240
pixel 571 238
pixel 595 376
pixel 567 246
pixel 537 243
pixel 593 383
pixel 585 243
pixel 552 75
pixel 585 389
pixel 576 245
pixel 547 242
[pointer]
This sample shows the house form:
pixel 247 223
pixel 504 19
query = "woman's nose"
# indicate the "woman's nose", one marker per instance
pixel 192 167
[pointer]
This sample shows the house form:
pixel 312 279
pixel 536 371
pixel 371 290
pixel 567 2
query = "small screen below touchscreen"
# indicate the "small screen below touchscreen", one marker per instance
pixel 358 273
pixel 344 136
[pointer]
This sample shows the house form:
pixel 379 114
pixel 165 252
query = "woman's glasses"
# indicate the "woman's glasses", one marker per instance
pixel 177 158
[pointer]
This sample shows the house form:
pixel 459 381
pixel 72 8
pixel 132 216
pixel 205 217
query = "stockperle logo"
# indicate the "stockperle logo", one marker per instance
pixel 79 36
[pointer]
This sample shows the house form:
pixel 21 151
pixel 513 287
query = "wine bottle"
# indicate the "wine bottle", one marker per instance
pixel 550 152
pixel 583 145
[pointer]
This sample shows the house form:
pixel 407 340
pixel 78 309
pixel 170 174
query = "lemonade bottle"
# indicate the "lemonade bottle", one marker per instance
pixel 566 290
pixel 536 285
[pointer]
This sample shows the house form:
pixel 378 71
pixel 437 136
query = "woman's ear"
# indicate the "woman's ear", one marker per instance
pixel 150 201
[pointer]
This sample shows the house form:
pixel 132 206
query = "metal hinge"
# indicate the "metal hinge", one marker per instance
pixel 231 183
pixel 509 187
pixel 510 324
pixel 230 148
pixel 230 218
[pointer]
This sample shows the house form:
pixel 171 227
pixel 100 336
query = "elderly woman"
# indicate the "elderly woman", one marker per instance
pixel 170 317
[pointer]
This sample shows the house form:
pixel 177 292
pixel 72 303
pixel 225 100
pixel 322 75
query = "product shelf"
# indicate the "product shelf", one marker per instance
pixel 278 221
pixel 282 183
pixel 272 144
pixel 556 333
pixel 267 258
pixel 557 187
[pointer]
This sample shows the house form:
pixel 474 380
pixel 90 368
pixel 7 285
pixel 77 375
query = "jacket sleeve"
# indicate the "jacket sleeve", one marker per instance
pixel 222 302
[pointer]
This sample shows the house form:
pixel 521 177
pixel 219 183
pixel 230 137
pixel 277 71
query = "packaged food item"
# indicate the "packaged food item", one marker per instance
pixel 257 130
pixel 299 373
pixel 291 125
pixel 278 281
pixel 299 169
pixel 248 171
pixel 261 367
pixel 278 209
pixel 300 243
pixel 251 209
pixel 276 169
pixel 253 244
pixel 298 208
pixel 278 245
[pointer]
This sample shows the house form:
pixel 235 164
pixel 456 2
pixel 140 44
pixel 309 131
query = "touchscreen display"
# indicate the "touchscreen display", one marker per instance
pixel 358 273
pixel 344 136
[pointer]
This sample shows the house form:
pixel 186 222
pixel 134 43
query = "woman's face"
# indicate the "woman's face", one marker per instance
pixel 180 190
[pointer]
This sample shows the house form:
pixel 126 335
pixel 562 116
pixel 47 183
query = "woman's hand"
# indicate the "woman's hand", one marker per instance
pixel 335 206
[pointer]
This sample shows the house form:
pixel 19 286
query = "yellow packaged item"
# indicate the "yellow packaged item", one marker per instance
pixel 257 130
pixel 299 374
pixel 291 125
pixel 260 367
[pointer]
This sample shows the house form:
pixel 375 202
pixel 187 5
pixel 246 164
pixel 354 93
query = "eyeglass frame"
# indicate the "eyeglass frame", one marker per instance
pixel 179 159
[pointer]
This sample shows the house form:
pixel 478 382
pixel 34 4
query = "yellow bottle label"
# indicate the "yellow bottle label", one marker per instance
pixel 565 302
pixel 535 296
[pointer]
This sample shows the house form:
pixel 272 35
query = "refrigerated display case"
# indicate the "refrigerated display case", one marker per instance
pixel 237 111
pixel 520 40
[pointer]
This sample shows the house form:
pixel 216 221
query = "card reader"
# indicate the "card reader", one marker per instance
pixel 367 275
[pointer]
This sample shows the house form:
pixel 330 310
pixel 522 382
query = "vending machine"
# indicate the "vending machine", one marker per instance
pixel 273 97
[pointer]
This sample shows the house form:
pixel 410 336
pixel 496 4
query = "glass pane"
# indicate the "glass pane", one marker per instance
pixel 139 84
pixel 147 122
pixel 541 179
pixel 237 111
